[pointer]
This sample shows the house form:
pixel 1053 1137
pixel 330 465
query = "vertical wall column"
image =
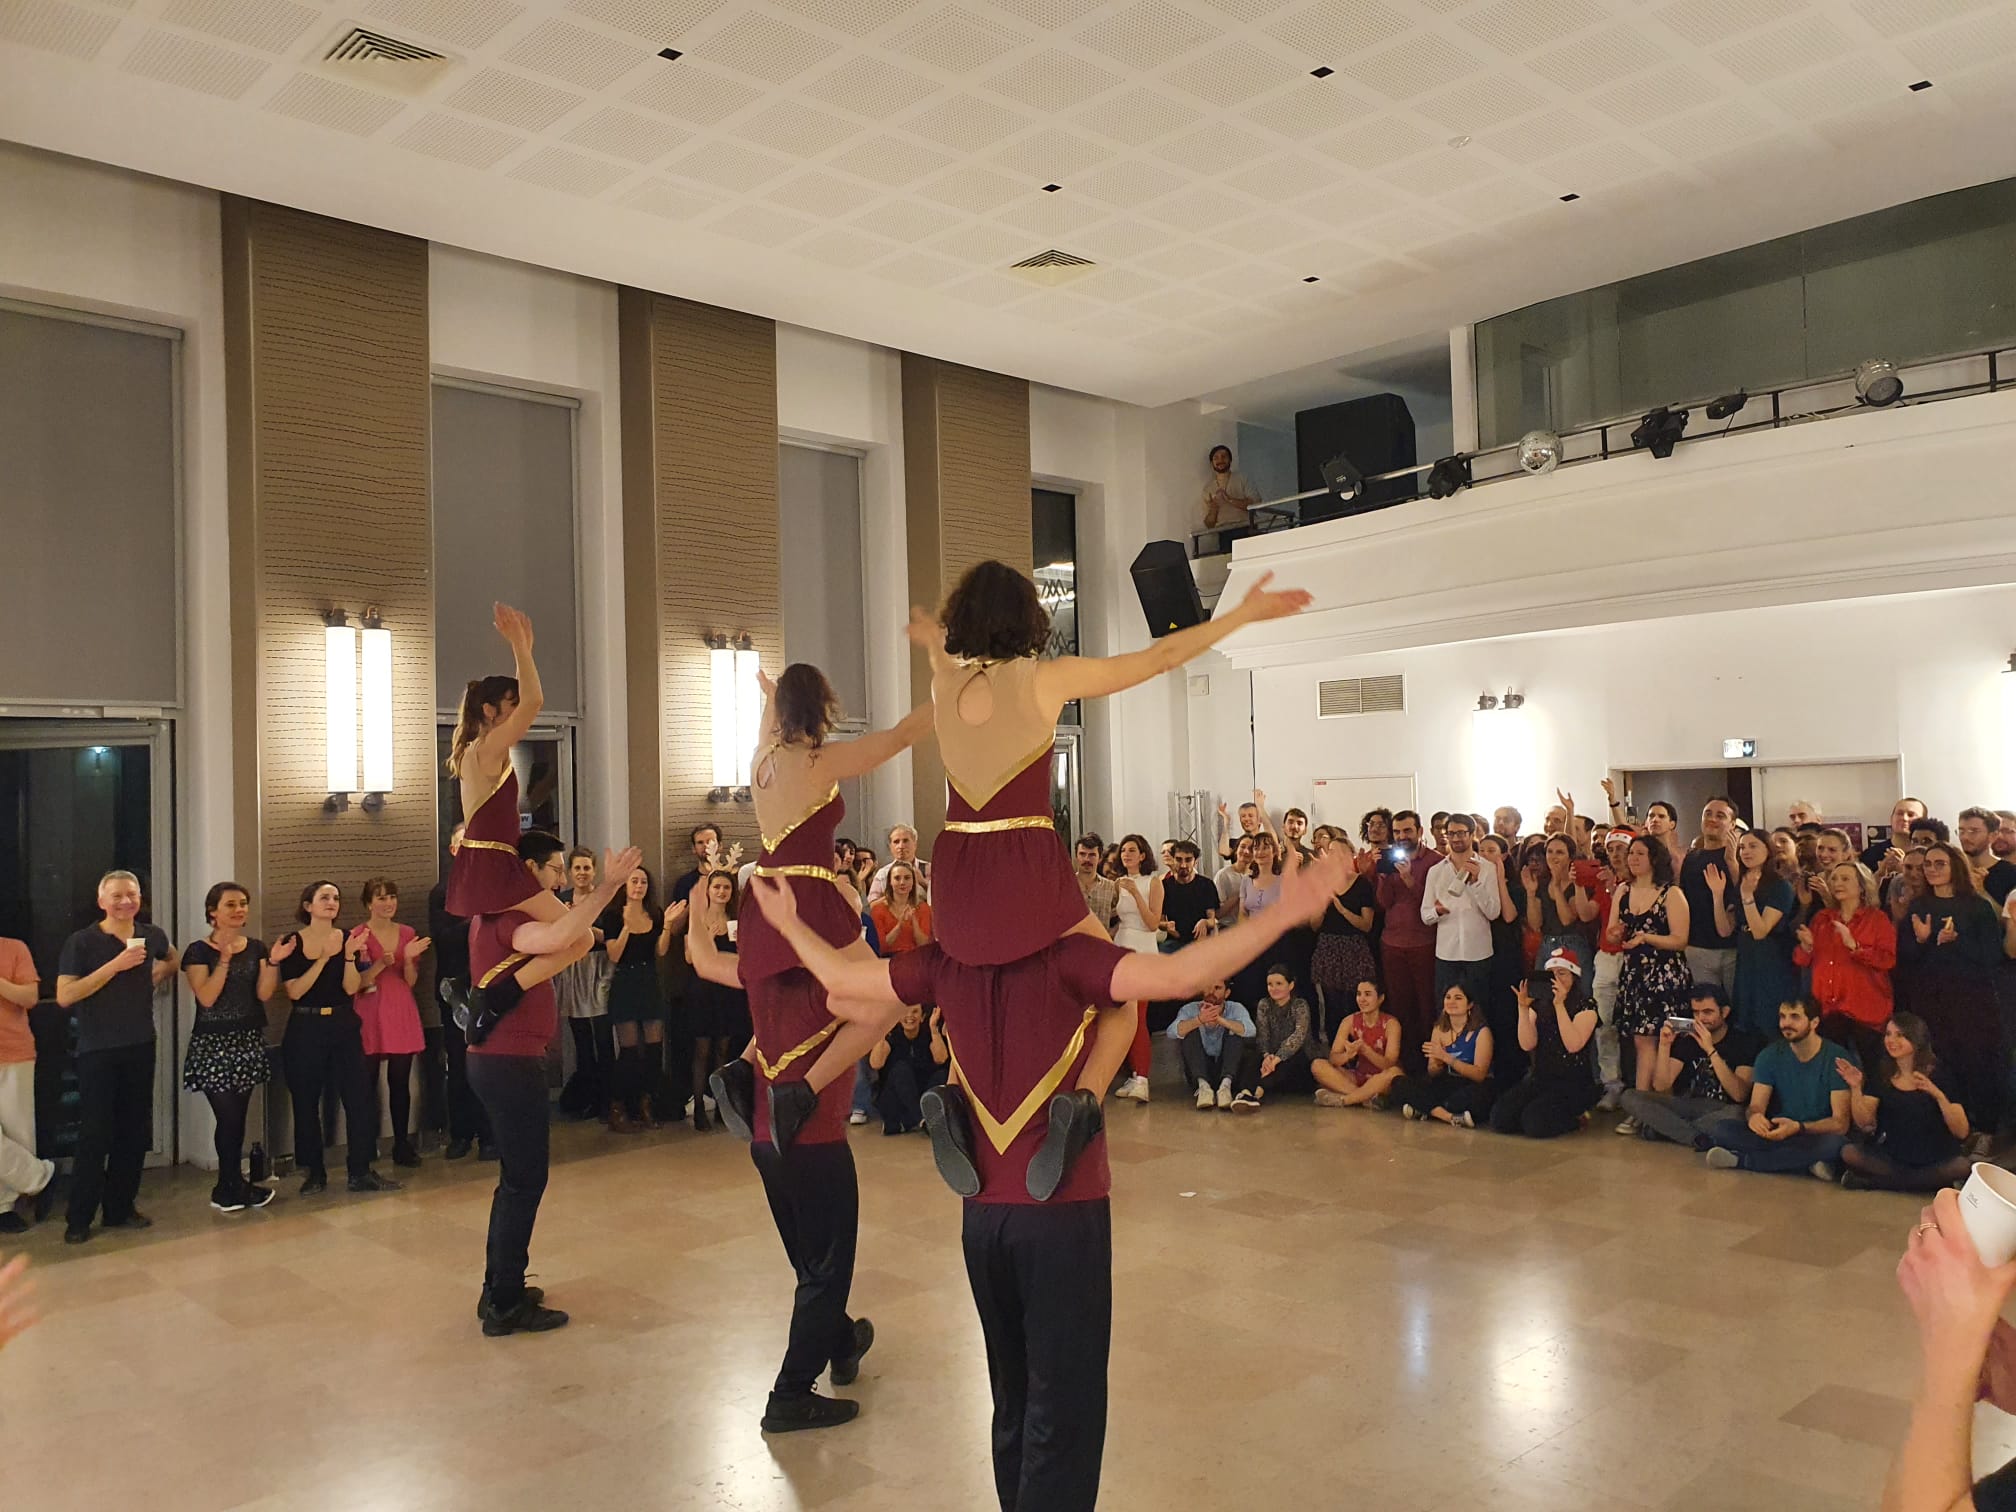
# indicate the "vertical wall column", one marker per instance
pixel 966 473
pixel 327 398
pixel 699 410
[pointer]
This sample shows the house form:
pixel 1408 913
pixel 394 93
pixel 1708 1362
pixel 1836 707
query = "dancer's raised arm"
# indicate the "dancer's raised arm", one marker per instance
pixel 1184 974
pixel 1073 677
pixel 857 988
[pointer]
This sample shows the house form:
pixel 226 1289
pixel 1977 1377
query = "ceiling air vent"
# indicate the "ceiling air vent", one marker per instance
pixel 1052 268
pixel 363 56
pixel 1341 697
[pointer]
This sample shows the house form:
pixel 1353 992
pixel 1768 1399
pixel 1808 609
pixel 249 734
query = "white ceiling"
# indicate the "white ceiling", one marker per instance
pixel 870 166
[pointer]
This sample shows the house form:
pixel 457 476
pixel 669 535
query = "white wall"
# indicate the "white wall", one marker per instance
pixel 524 327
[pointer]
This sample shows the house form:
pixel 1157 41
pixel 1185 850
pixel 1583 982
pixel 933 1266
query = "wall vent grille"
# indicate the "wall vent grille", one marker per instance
pixel 1342 697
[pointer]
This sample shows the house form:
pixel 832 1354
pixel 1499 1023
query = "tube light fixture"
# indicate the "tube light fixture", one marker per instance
pixel 737 714
pixel 375 700
pixel 339 691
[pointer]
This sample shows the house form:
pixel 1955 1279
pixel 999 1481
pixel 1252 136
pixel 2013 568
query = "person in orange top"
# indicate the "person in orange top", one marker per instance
pixel 23 1178
pixel 1851 946
pixel 902 919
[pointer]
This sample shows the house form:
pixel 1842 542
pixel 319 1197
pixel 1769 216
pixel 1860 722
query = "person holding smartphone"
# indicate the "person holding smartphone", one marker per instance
pixel 1703 1075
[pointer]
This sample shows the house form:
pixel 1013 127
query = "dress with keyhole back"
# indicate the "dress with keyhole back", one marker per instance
pixel 486 875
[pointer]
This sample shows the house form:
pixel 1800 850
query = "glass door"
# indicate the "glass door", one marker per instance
pixel 544 760
pixel 79 799
pixel 1066 781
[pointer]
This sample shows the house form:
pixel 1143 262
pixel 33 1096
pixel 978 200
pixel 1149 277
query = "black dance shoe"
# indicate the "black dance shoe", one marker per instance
pixel 951 1131
pixel 314 1182
pixel 471 1009
pixel 526 1317
pixel 1075 1119
pixel 734 1089
pixel 792 1105
pixel 371 1181
pixel 533 1294
pixel 457 1149
pixel 789 1414
pixel 405 1156
pixel 133 1220
pixel 848 1366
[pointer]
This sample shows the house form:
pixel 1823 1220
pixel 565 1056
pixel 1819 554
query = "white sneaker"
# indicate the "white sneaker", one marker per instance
pixel 1719 1159
pixel 1225 1093
pixel 709 1102
pixel 1134 1089
pixel 1206 1103
pixel 689 1107
pixel 1627 1125
pixel 1325 1098
pixel 856 1117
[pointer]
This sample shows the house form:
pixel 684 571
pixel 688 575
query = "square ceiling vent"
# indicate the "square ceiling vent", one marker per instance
pixel 360 55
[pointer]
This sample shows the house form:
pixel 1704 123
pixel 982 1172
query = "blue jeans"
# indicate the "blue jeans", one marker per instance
pixel 1761 1154
pixel 864 1088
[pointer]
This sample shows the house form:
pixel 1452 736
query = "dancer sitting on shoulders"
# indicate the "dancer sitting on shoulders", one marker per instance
pixel 486 875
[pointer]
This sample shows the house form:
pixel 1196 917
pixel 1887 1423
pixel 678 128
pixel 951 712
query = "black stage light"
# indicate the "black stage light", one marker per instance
pixel 1342 479
pixel 1659 430
pixel 1877 383
pixel 1448 475
pixel 1727 405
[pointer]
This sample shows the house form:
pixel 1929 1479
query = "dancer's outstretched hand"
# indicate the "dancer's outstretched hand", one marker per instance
pixel 924 629
pixel 1263 603
pixel 515 626
pixel 766 683
pixel 620 864
pixel 1312 885
pixel 777 901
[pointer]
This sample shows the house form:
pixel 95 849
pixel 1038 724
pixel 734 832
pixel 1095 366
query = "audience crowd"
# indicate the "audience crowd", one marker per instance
pixel 1774 1000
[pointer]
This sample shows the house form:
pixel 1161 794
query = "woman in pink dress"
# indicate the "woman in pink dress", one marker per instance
pixel 388 961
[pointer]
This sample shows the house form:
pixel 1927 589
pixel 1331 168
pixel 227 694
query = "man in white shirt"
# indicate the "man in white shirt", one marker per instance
pixel 902 847
pixel 1459 902
pixel 1227 498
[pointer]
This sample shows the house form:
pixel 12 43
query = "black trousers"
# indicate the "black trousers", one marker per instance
pixel 1042 1280
pixel 587 1090
pixel 512 1089
pixel 899 1090
pixel 1427 1093
pixel 1291 1076
pixel 1543 1108
pixel 817 1207
pixel 323 1055
pixel 466 1118
pixel 1235 1058
pixel 115 1112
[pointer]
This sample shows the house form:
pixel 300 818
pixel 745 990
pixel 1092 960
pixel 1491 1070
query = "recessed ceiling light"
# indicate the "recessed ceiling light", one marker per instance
pixel 1569 199
pixel 1321 73
pixel 1052 188
pixel 1310 279
pixel 1921 84
pixel 670 54
pixel 1459 141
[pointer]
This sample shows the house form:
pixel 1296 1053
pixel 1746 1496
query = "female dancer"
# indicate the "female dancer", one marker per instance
pixel 231 976
pixel 387 968
pixel 788 1094
pixel 486 876
pixel 1138 923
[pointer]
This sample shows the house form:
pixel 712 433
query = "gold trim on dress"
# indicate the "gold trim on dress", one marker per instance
pixel 771 1072
pixel 499 845
pixel 1002 1134
pixel 771 843
pixel 511 962
pixel 815 873
pixel 997 826
pixel 976 804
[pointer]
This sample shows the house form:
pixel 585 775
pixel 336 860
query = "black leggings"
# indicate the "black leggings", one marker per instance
pixel 399 1095
pixel 230 1108
pixel 1890 1176
pixel 1543 1108
pixel 640 1073
pixel 1424 1094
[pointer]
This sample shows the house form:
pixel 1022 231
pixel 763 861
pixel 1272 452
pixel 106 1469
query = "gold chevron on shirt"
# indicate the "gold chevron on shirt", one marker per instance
pixel 1000 1133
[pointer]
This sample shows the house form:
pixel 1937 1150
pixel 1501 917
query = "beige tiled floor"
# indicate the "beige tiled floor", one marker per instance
pixel 1313 1308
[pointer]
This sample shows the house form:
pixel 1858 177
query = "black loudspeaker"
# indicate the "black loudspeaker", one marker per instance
pixel 1375 433
pixel 1167 587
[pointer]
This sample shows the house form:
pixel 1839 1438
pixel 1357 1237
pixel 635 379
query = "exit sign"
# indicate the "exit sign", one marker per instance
pixel 1738 750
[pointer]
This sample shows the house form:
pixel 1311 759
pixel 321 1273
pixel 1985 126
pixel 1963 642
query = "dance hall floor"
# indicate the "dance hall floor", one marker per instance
pixel 1313 1308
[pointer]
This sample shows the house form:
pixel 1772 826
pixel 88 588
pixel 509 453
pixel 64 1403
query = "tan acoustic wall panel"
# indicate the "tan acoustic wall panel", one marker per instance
pixel 966 471
pixel 326 329
pixel 700 546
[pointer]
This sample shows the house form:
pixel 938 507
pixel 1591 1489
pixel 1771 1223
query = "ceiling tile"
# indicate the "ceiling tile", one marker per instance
pixel 1596 59
pixel 680 202
pixel 765 48
pixel 1480 103
pixel 871 87
pixel 1147 34
pixel 1053 80
pixel 1329 33
pixel 1667 90
pixel 1783 50
pixel 1121 240
pixel 1700 132
pixel 1503 197
pixel 1245 10
pixel 1286 177
pixel 1541 136
pixel 1405 229
pixel 1845 85
pixel 1460 251
pixel 661 22
pixel 1051 215
pixel 797 130
pixel 1375 143
pixel 1200 207
pixel 1597 166
pixel 891 160
pixel 1414 67
pixel 1232 74
pixel 626 134
pixel 729 166
pixel 974 189
pixel 324 102
pixel 575 55
pixel 992 290
pixel 514 100
pixel 1178 260
pixel 1051 156
pixel 920 270
pixel 570 172
pixel 1266 232
pixel 458 141
pixel 764 225
pixel 855 17
pixel 1966 44
pixel 907 220
pixel 967 123
pixel 1217 148
pixel 1518 26
pixel 189 64
pixel 984 244
pixel 269 25
pixel 1137 117
pixel 1439 172
pixel 1049 14
pixel 56 27
pixel 1309 109
pixel 466 23
pixel 1892 19
pixel 956 40
pixel 820 194
pixel 1706 22
pixel 692 94
pixel 838 247
pixel 1117 285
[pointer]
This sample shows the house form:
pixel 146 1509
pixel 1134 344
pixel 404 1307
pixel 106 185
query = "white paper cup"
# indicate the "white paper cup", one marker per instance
pixel 1988 1207
pixel 734 929
pixel 136 942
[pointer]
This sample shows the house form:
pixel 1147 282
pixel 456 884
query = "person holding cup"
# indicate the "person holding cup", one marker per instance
pixel 107 975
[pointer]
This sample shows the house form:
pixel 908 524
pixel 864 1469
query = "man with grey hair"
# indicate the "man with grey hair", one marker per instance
pixel 902 847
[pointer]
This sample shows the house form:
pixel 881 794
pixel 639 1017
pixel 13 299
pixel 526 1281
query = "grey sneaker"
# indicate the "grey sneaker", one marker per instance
pixel 1719 1159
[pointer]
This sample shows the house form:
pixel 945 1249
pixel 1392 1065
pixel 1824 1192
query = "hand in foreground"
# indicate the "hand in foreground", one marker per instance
pixel 17 1300
pixel 621 863
pixel 1956 1299
pixel 779 904
pixel 1308 888
pixel 1263 603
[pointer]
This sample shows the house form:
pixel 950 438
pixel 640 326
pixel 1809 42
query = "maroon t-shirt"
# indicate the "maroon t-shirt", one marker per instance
pixel 793 1028
pixel 1015 1030
pixel 528 1028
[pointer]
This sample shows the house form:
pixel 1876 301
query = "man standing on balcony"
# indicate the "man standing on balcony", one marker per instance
pixel 1227 498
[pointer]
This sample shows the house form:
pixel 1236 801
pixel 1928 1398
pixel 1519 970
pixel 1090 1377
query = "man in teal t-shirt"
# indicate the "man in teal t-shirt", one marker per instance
pixel 1798 1104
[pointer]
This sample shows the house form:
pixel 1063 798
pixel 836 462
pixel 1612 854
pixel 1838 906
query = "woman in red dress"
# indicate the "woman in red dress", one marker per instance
pixel 486 876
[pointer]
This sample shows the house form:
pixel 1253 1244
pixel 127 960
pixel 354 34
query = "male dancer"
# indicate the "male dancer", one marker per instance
pixel 1041 1271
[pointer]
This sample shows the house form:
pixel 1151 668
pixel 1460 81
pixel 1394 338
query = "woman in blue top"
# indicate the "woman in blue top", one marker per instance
pixel 1767 912
pixel 1457 1088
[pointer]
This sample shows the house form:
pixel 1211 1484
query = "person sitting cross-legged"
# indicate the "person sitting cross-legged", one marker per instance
pixel 909 1061
pixel 1798 1103
pixel 1559 1087
pixel 1214 1038
pixel 1910 1133
pixel 1364 1059
pixel 1702 1078
pixel 1457 1087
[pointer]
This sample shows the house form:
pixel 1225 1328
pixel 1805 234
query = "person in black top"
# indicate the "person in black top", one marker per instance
pixel 1343 955
pixel 231 977
pixel 107 975
pixel 1500 1008
pixel 467 1122
pixel 1975 833
pixel 324 1042
pixel 1708 882
pixel 1910 1133
pixel 1189 900
pixel 1949 949
pixel 1560 1084
pixel 907 1064
pixel 1703 1077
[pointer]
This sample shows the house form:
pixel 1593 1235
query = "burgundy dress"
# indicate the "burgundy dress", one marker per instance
pixel 1002 886
pixel 486 876
pixel 787 1004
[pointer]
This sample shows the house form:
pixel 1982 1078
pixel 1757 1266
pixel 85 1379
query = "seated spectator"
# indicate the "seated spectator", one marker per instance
pixel 1214 1038
pixel 1910 1135
pixel 1560 1084
pixel 1457 1087
pixel 1364 1059
pixel 1798 1104
pixel 902 916
pixel 1951 948
pixel 909 1062
pixel 1702 1078
pixel 1851 947
pixel 1281 1022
